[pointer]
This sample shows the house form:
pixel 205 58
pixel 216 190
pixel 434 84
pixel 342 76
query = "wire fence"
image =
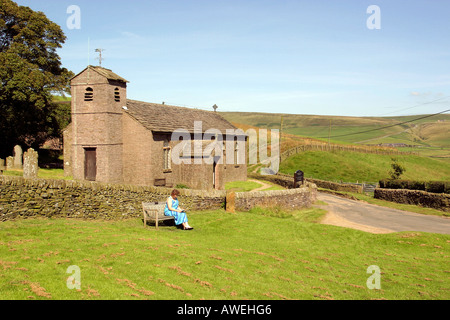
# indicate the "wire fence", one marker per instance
pixel 330 148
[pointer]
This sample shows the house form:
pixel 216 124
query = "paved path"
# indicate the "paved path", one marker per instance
pixel 376 219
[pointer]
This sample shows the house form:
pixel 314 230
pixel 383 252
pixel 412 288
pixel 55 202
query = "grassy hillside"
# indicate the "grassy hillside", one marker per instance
pixel 288 140
pixel 432 131
pixel 429 138
pixel 354 166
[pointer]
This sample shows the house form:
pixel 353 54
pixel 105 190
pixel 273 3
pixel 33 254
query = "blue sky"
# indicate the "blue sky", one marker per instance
pixel 298 57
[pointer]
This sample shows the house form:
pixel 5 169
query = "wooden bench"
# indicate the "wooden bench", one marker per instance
pixel 154 212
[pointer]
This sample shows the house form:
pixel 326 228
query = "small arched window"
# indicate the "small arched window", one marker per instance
pixel 117 95
pixel 89 94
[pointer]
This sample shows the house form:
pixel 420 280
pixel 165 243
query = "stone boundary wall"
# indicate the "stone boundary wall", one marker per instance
pixel 440 201
pixel 23 198
pixel 287 181
pixel 297 198
pixel 337 186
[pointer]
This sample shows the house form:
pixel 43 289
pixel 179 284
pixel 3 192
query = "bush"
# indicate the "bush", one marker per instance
pixel 429 186
pixel 417 185
pixel 437 186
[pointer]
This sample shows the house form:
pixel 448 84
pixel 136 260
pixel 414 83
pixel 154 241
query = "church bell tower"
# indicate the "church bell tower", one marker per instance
pixel 98 96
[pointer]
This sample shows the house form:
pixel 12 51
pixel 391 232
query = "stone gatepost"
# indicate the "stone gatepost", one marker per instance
pixel 18 153
pixel 30 164
pixel 230 201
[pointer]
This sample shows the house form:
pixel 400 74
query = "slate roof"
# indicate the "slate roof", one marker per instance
pixel 107 73
pixel 167 118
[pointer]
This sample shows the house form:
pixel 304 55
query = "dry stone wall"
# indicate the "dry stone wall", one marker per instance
pixel 287 181
pixel 440 201
pixel 22 198
pixel 337 186
pixel 290 199
pixel 26 198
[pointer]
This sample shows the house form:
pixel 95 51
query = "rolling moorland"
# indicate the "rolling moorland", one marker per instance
pixel 428 133
pixel 428 139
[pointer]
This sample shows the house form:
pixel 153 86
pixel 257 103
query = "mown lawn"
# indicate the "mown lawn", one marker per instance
pixel 262 254
pixel 42 173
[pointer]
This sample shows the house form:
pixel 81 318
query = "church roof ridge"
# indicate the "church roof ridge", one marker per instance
pixel 167 118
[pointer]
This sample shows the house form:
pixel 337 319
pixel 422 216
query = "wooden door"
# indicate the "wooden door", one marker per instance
pixel 90 164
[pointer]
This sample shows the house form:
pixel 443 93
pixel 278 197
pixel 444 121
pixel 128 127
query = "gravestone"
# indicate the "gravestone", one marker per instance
pixel 18 153
pixel 9 163
pixel 2 166
pixel 30 164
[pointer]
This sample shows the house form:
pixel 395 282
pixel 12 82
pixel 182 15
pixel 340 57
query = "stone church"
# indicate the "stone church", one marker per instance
pixel 117 140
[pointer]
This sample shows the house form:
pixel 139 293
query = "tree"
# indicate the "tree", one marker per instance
pixel 30 71
pixel 397 169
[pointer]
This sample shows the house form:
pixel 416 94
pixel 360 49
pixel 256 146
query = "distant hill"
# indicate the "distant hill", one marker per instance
pixel 429 136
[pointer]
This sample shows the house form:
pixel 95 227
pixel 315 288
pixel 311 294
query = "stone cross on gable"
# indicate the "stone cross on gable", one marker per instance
pixel 215 107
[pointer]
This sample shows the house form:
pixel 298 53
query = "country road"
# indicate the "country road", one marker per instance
pixel 376 219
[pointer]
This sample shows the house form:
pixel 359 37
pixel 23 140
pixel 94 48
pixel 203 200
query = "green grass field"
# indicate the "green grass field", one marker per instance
pixel 245 186
pixel 431 133
pixel 350 166
pixel 42 173
pixel 253 255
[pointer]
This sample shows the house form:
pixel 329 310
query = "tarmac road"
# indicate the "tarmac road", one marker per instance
pixel 376 219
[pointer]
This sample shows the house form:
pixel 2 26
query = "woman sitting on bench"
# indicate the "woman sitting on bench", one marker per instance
pixel 172 209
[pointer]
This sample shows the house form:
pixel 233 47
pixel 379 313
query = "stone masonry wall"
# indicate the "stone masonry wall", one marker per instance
pixel 440 201
pixel 22 198
pixel 290 199
pixel 287 181
pixel 26 198
pixel 336 186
